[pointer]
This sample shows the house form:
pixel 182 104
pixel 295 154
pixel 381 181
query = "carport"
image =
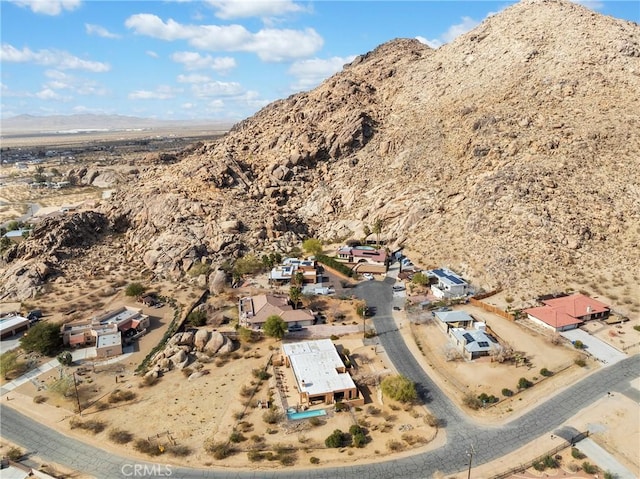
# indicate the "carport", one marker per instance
pixel 603 352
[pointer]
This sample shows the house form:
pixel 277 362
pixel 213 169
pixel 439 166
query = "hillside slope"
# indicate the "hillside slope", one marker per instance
pixel 510 154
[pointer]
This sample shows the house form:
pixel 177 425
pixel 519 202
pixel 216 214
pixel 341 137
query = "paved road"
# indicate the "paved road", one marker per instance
pixel 488 442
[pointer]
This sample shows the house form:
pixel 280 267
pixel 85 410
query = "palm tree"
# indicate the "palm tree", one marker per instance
pixel 294 296
pixel 377 229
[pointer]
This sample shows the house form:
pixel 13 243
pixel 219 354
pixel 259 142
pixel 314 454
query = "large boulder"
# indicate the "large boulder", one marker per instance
pixel 215 343
pixel 178 358
pixel 227 347
pixel 201 339
pixel 217 281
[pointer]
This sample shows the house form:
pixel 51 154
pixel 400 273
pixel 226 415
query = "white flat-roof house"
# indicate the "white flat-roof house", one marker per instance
pixel 453 319
pixel 319 372
pixel 290 266
pixel 104 331
pixel 12 324
pixel 449 284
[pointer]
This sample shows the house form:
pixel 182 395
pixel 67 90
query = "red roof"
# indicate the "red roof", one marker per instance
pixel 552 317
pixel 577 305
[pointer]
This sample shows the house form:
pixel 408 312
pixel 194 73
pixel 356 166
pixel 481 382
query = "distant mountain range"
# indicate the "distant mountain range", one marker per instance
pixel 24 124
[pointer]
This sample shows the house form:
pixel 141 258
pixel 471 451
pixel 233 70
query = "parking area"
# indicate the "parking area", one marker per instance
pixel 603 352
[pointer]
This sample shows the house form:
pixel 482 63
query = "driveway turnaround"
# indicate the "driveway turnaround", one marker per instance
pixel 596 347
pixel 488 442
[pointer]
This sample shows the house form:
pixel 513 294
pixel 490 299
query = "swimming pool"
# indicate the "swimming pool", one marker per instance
pixel 292 416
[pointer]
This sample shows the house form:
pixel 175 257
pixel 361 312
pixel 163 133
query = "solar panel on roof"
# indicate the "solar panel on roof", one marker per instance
pixel 468 337
pixel 455 279
pixel 483 344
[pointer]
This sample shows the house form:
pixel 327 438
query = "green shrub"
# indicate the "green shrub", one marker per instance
pixel 197 318
pixel 589 468
pixel 538 466
pixel 15 454
pixel 637 327
pixel 550 462
pixel 39 399
pixel 487 399
pixel 261 374
pixel 524 383
pixel 336 439
pixel 314 460
pixel 399 388
pixel 580 362
pixel 576 453
pixel 236 437
pixel 578 344
pixel 471 401
pixel 255 455
pixel 315 421
pixel 546 373
pixel 333 263
pixel 506 392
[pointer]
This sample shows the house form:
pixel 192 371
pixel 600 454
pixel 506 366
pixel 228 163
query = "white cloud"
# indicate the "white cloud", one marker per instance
pixel 80 86
pixel 272 45
pixel 228 9
pixel 161 93
pixel 48 7
pixel 59 59
pixel 215 105
pixel 48 94
pixel 216 88
pixel 152 54
pixel 310 73
pixel 99 31
pixel 454 31
pixel 195 61
pixel 193 78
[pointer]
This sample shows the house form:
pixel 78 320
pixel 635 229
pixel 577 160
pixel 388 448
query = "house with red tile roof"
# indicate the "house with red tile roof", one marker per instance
pixel 568 312
pixel 364 259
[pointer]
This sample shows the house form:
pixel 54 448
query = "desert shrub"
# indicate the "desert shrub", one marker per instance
pixel 146 447
pixel 609 475
pixel 15 454
pixel 315 421
pixel 179 450
pixel 487 399
pixel 637 327
pixel 524 383
pixel 580 362
pixel 578 344
pixel 261 374
pixel 471 401
pixel 546 373
pixel 11 365
pixel 101 406
pixel 134 289
pixel 273 416
pixel 589 468
pixel 506 392
pixel 197 318
pixel 219 450
pixel 538 466
pixel 550 462
pixel 255 455
pixel 120 437
pixel 394 445
pixel 399 388
pixel 336 439
pixel 576 453
pixel 358 436
pixel 373 411
pixel 314 460
pixel 92 425
pixel 334 337
pixel 431 420
pixel 39 399
pixel 121 396
pixel 150 380
pixel 340 406
pixel 246 391
pixel 236 437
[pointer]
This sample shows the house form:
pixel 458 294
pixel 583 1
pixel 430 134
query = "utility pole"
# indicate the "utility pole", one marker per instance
pixel 75 385
pixel 470 455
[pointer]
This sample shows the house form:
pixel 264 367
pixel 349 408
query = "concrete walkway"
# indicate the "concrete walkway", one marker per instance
pixel 79 356
pixel 603 459
pixel 596 347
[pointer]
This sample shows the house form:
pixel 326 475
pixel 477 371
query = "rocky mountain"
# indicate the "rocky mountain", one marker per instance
pixel 510 154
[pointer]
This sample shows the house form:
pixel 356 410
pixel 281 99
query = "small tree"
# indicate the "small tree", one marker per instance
pixel 399 388
pixel 295 293
pixel 336 439
pixel 312 246
pixel 65 358
pixel 377 229
pixel 43 338
pixel 197 318
pixel 134 290
pixel 524 383
pixel 420 279
pixel 275 327
pixel 10 364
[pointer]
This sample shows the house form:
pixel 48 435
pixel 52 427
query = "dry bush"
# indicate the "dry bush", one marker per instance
pixel 219 450
pixel 273 416
pixel 431 420
pixel 38 399
pixel 394 445
pixel 92 425
pixel 120 437
pixel 179 450
pixel 147 447
pixel 412 439
pixel 121 396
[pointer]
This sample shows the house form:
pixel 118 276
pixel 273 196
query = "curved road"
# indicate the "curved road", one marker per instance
pixel 489 443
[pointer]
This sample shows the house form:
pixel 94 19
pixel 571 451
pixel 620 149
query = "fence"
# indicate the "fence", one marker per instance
pixel 523 467
pixel 492 309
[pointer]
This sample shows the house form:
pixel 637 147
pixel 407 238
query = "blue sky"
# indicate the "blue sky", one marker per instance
pixel 205 59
